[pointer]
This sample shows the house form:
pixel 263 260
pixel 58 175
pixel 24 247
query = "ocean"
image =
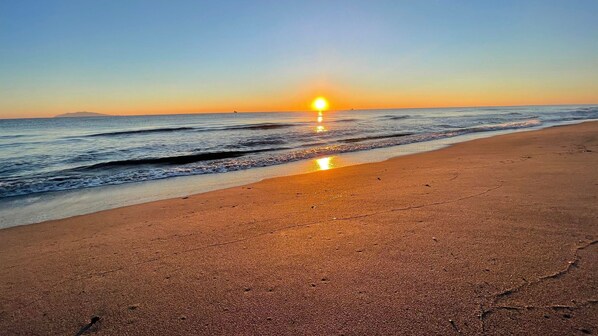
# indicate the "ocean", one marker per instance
pixel 56 154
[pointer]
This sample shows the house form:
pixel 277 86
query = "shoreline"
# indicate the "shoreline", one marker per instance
pixel 39 208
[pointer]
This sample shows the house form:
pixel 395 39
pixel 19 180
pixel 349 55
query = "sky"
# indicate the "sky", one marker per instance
pixel 156 57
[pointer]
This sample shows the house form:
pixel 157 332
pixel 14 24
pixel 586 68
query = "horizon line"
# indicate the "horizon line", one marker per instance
pixel 283 111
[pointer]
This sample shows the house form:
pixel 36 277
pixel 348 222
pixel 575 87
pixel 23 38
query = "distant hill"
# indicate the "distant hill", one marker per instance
pixel 81 114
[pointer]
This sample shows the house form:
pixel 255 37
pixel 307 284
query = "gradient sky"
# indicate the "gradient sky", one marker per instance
pixel 146 57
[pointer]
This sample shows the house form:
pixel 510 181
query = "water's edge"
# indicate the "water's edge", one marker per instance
pixel 32 209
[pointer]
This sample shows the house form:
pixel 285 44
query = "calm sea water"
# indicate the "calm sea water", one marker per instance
pixel 45 155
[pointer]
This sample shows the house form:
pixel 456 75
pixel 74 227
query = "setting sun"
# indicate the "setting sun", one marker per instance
pixel 320 104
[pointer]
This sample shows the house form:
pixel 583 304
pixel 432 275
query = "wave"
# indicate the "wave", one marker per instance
pixel 175 160
pixel 255 143
pixel 586 109
pixel 499 127
pixel 12 136
pixel 142 131
pixel 447 126
pixel 311 144
pixel 262 126
pixel 395 117
pixel 376 137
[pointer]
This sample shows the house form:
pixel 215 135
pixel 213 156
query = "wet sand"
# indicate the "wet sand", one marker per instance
pixel 494 236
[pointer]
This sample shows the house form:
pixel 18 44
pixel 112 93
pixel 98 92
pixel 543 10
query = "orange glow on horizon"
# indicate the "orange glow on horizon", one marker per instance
pixel 346 97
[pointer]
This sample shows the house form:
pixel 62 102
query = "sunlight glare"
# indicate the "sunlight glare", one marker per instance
pixel 324 163
pixel 320 104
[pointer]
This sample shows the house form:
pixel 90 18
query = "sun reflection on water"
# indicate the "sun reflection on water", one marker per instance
pixel 325 163
pixel 320 128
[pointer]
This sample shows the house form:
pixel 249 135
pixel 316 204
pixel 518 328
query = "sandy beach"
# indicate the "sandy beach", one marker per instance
pixel 495 236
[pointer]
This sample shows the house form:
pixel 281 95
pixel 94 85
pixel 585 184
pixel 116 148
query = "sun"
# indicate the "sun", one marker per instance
pixel 320 104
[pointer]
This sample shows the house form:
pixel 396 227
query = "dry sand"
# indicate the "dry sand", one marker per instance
pixel 494 236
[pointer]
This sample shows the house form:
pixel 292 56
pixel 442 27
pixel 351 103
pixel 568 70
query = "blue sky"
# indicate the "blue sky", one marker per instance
pixel 137 57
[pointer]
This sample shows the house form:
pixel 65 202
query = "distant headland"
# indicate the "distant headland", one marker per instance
pixel 81 114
